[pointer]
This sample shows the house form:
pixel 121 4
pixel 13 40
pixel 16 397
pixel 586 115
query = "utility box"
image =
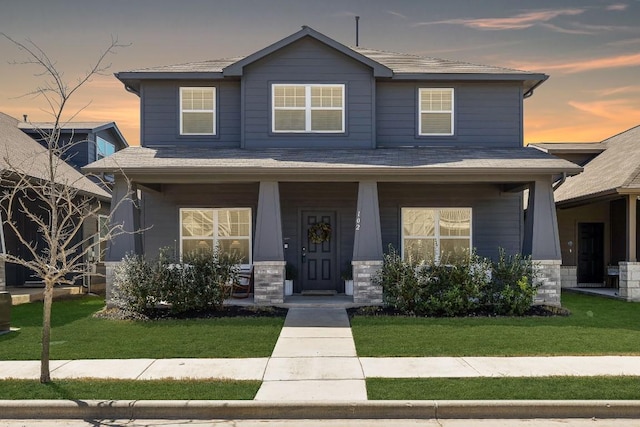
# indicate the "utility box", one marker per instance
pixel 5 312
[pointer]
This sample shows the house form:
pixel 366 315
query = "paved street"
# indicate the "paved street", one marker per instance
pixel 566 422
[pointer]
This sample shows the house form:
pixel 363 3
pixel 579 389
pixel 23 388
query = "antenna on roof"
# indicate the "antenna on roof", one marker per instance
pixel 357 31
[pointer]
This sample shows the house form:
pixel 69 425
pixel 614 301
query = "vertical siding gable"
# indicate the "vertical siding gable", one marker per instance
pixel 160 114
pixel 308 61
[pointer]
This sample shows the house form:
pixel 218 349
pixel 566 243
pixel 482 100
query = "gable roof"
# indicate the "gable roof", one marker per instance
pixel 615 171
pixel 384 64
pixel 35 127
pixel 18 150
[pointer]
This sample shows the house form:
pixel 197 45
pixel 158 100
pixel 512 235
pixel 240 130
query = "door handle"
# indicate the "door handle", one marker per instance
pixel 304 254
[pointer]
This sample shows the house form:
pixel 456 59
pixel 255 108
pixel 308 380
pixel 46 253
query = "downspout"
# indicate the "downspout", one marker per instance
pixel 528 93
pixel 132 90
pixel 560 182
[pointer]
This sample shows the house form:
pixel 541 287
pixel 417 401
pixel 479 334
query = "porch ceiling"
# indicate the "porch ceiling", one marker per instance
pixel 386 164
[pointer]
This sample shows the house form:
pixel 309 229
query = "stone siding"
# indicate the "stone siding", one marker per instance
pixel 549 282
pixel 268 282
pixel 364 291
pixel 569 276
pixel 630 281
pixel 3 275
pixel 110 267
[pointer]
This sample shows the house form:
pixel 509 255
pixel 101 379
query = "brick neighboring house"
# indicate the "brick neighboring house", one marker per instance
pixel 598 214
pixel 262 154
pixel 20 152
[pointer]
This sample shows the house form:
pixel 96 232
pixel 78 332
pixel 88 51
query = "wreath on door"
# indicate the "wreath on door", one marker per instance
pixel 319 232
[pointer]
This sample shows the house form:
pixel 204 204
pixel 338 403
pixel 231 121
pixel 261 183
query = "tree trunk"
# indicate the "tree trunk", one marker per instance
pixel 45 375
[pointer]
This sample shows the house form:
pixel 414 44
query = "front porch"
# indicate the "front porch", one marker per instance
pixel 364 217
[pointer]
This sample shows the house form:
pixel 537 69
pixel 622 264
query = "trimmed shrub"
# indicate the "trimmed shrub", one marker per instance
pixel 197 282
pixel 465 286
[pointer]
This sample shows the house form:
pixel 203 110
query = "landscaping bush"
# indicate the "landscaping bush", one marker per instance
pixel 197 282
pixel 464 286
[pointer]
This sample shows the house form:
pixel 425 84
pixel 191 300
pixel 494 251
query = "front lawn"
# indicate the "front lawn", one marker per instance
pixel 547 388
pixel 597 326
pixel 129 390
pixel 75 334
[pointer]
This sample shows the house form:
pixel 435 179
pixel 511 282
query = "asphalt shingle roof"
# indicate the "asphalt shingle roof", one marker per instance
pixel 390 160
pixel 19 152
pixel 618 167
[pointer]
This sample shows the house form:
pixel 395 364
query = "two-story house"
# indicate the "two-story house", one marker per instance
pixel 317 155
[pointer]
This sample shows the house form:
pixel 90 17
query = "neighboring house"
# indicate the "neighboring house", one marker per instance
pixel 86 141
pixel 19 152
pixel 598 213
pixel 317 155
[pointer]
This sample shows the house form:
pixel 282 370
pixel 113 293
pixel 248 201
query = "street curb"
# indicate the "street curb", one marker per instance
pixel 372 409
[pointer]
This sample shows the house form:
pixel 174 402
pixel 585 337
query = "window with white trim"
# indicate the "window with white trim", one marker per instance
pixel 307 108
pixel 197 110
pixel 436 111
pixel 104 148
pixel 433 235
pixel 227 228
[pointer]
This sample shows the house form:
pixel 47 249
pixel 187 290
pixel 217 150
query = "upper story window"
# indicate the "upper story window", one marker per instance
pixel 308 108
pixel 197 110
pixel 436 111
pixel 434 235
pixel 104 148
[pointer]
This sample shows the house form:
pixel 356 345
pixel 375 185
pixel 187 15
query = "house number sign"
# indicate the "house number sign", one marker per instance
pixel 358 221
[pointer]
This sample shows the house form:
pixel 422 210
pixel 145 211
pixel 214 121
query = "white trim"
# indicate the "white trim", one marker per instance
pixel 3 247
pixel 214 236
pixel 212 111
pixel 420 112
pixel 437 237
pixel 307 108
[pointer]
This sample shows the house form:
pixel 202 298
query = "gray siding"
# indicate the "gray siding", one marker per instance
pixel 161 210
pixel 496 216
pixel 485 114
pixel 160 113
pixel 308 61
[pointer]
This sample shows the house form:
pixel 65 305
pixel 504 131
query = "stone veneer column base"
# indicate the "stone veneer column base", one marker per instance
pixel 268 282
pixel 629 284
pixel 364 291
pixel 569 276
pixel 549 282
pixel 110 267
pixel 3 276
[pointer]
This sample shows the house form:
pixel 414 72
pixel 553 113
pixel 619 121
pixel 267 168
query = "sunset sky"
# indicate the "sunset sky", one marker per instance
pixel 590 49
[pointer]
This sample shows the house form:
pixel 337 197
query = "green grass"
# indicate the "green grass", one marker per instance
pixel 550 388
pixel 75 334
pixel 597 326
pixel 129 390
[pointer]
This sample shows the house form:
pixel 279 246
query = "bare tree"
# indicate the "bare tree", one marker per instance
pixel 54 198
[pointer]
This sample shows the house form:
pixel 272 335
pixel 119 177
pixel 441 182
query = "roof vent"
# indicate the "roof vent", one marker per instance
pixel 24 116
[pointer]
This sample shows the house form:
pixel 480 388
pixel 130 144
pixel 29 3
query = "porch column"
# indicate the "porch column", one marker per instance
pixel 629 278
pixel 367 245
pixel 542 242
pixel 268 251
pixel 124 213
pixel 631 228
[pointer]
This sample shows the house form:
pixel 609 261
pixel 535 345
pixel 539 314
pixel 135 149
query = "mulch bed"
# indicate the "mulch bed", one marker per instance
pixel 164 313
pixel 534 311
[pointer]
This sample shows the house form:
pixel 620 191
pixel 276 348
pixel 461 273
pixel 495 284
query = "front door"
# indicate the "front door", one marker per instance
pixel 319 257
pixel 590 252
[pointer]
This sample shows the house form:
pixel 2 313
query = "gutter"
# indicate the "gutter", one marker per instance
pixel 559 183
pixel 528 93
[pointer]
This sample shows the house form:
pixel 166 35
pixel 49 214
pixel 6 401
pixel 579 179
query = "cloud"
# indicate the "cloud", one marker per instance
pixel 617 7
pixel 397 14
pixel 558 29
pixel 609 109
pixel 620 61
pixel 625 42
pixel 517 22
pixel 617 90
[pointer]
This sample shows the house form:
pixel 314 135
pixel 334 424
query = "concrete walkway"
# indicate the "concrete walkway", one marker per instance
pixel 314 359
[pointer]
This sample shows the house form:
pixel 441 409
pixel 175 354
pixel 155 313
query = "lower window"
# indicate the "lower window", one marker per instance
pixel 204 229
pixel 435 235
